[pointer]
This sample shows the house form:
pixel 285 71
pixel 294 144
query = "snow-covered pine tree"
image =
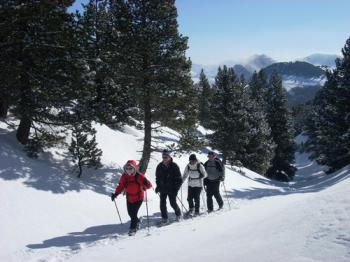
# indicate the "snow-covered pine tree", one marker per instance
pixel 329 127
pixel 205 96
pixel 83 147
pixel 162 88
pixel 279 120
pixel 229 116
pixel 7 63
pixel 258 87
pixel 38 53
pixel 260 149
pixel 98 35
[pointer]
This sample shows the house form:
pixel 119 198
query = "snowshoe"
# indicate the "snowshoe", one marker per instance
pixel 163 222
pixel 178 218
pixel 132 232
pixel 189 214
pixel 138 226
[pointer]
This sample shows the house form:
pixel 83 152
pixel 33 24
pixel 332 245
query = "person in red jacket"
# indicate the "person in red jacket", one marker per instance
pixel 133 183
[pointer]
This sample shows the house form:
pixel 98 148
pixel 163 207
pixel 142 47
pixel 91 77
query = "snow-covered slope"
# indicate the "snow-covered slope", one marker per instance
pixel 321 59
pixel 49 215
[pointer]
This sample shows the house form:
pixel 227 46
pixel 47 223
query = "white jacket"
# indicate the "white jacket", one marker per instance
pixel 191 172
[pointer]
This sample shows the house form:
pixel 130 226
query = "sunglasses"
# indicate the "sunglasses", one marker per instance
pixel 165 157
pixel 129 168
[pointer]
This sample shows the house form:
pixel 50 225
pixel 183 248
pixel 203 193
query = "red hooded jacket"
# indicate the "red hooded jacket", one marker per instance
pixel 134 185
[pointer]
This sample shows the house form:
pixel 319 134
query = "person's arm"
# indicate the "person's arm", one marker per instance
pixel 185 174
pixel 158 174
pixel 222 171
pixel 177 177
pixel 121 185
pixel 203 171
pixel 146 183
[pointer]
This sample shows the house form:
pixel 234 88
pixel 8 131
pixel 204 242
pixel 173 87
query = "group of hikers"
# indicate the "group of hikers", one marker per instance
pixel 168 183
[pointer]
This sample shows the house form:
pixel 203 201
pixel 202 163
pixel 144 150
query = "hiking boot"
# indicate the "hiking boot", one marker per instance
pixel 132 231
pixel 178 218
pixel 196 213
pixel 190 212
pixel 209 211
pixel 164 221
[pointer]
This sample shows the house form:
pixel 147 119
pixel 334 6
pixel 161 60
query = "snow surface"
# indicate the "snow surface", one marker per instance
pixel 47 214
pixel 290 81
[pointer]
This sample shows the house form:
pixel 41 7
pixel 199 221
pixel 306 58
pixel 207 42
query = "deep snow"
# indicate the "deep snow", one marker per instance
pixel 47 214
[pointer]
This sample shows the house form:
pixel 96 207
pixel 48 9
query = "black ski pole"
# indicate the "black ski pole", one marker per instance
pixel 118 212
pixel 182 209
pixel 147 211
pixel 182 203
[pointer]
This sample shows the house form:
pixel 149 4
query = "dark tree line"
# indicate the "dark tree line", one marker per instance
pixel 328 127
pixel 116 61
pixel 251 122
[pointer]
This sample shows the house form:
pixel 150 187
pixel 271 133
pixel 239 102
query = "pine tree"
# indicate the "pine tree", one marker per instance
pixel 83 147
pixel 38 52
pixel 329 126
pixel 260 149
pixel 240 127
pixel 229 117
pixel 162 88
pixel 205 96
pixel 100 38
pixel 279 120
pixel 258 87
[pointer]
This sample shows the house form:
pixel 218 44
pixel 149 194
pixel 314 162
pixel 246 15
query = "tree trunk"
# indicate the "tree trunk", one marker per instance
pixel 80 171
pixel 23 130
pixel 3 107
pixel 146 152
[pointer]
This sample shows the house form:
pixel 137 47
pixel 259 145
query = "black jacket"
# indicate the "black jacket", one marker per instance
pixel 168 178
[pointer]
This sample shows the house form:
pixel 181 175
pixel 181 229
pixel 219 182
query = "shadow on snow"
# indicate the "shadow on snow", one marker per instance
pixel 48 173
pixel 89 236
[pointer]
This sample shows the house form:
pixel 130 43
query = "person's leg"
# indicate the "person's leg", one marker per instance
pixel 172 199
pixel 133 209
pixel 163 208
pixel 197 199
pixel 210 194
pixel 216 190
pixel 190 197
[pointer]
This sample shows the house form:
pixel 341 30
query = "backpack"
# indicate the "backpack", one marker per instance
pixel 218 164
pixel 198 170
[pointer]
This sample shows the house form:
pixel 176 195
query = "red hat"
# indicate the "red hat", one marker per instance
pixel 131 163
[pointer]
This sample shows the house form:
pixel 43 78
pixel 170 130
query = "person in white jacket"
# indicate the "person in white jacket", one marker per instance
pixel 195 172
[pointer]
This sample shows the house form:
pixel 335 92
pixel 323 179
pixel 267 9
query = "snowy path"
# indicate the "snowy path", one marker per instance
pixel 48 215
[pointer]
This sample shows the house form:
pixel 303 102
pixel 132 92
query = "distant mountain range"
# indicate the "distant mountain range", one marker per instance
pixel 257 62
pixel 305 74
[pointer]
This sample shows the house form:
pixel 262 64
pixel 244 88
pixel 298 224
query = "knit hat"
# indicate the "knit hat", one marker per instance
pixel 166 152
pixel 131 163
pixel 193 157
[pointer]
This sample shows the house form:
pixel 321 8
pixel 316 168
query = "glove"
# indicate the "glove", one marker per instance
pixel 205 181
pixel 222 179
pixel 201 175
pixel 157 190
pixel 113 196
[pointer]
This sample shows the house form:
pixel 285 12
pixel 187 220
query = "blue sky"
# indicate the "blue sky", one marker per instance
pixel 221 30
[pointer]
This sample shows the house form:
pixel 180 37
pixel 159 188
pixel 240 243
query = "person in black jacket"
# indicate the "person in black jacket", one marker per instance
pixel 168 180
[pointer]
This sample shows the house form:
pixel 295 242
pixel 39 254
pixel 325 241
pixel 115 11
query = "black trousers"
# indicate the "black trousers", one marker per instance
pixel 213 189
pixel 133 209
pixel 194 194
pixel 172 200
